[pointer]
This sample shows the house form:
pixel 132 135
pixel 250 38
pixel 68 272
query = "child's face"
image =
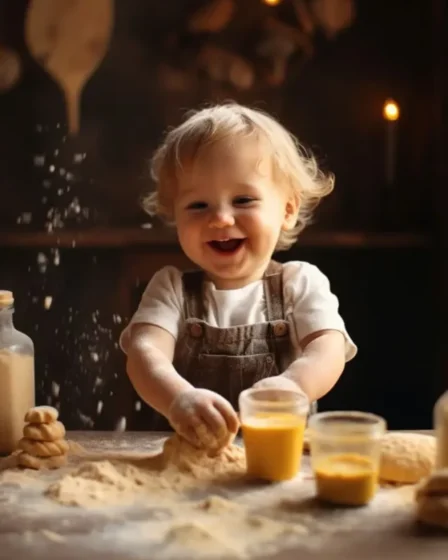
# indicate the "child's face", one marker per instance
pixel 229 214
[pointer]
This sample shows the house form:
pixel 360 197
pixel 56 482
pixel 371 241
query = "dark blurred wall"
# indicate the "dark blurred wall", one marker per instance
pixel 331 101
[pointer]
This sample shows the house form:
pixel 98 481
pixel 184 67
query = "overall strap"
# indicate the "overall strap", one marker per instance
pixel 273 291
pixel 193 284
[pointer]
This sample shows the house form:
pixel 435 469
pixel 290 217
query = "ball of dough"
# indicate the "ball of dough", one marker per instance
pixel 406 458
pixel 432 499
pixel 41 415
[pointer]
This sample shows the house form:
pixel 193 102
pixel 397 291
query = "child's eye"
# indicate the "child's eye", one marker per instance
pixel 197 206
pixel 243 200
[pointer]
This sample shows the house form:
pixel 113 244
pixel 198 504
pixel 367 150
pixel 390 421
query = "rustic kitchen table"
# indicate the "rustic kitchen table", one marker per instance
pixel 34 527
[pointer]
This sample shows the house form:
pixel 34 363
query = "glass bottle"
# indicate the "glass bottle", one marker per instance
pixel 16 376
pixel 441 427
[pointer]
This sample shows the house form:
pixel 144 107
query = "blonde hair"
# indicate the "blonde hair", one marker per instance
pixel 205 128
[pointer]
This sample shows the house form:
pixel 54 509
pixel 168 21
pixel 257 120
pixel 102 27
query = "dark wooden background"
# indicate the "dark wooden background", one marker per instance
pixel 383 248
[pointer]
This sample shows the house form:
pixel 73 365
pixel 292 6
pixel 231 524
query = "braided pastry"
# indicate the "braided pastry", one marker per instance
pixel 41 415
pixel 44 432
pixel 44 448
pixel 37 463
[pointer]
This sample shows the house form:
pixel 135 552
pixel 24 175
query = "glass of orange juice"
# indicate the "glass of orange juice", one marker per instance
pixel 273 424
pixel 345 455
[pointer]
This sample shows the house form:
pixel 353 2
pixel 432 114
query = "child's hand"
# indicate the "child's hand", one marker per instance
pixel 204 418
pixel 278 382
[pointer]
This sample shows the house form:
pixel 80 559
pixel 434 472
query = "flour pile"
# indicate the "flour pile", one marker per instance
pixel 179 455
pixel 118 481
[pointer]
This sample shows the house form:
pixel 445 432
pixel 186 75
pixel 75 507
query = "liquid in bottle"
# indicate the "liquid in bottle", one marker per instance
pixel 16 376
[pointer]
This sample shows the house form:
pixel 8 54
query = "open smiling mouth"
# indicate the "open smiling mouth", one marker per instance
pixel 228 246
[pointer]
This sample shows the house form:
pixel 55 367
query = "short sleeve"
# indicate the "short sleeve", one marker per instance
pixel 310 305
pixel 161 303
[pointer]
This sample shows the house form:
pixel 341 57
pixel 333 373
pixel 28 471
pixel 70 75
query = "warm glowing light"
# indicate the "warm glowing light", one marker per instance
pixel 272 2
pixel 391 111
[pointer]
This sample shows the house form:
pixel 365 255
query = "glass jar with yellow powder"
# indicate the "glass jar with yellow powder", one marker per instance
pixel 345 455
pixel 273 425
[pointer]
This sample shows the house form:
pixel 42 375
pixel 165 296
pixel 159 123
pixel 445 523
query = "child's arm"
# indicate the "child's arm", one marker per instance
pixel 321 364
pixel 317 330
pixel 203 417
pixel 317 370
pixel 150 351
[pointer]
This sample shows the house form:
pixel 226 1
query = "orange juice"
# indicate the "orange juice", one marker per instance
pixel 346 479
pixel 273 443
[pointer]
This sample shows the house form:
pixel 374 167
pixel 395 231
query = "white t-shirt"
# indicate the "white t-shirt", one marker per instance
pixel 310 306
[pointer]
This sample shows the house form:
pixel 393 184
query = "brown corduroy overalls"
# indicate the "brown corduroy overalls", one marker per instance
pixel 229 360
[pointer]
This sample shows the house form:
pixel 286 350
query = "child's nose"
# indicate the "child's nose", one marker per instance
pixel 221 219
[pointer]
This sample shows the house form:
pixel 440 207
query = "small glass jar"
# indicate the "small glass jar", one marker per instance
pixel 441 428
pixel 345 455
pixel 16 376
pixel 273 425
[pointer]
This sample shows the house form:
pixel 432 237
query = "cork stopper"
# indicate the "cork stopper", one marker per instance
pixel 6 298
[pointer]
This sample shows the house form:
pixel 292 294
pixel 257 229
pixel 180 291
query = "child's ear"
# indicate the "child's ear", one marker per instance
pixel 291 212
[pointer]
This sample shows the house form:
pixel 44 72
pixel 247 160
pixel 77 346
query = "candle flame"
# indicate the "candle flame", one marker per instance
pixel 391 110
pixel 272 2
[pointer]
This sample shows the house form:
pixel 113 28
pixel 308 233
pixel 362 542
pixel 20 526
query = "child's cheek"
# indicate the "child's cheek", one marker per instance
pixel 189 229
pixel 184 222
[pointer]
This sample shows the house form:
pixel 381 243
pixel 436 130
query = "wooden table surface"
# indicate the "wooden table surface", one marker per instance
pixel 372 533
